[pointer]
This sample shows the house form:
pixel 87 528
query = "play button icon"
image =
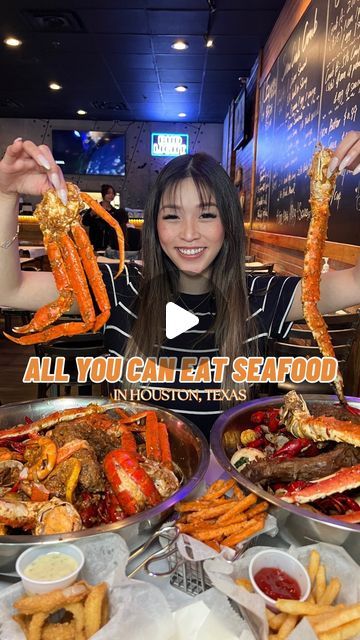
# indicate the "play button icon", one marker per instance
pixel 178 320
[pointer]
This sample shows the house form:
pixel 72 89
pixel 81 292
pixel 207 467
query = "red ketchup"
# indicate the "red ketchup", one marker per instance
pixel 275 583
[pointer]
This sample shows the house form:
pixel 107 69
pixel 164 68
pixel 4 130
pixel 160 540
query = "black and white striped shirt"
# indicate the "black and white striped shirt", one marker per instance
pixel 270 298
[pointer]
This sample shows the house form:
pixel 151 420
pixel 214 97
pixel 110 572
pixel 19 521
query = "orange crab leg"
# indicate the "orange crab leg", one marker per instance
pixel 166 458
pixel 68 449
pixel 100 211
pixel 93 274
pixel 128 442
pixel 52 312
pixel 79 285
pixel 152 439
pixel 22 430
pixel 321 188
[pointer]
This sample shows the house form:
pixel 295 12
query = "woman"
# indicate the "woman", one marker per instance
pixel 193 255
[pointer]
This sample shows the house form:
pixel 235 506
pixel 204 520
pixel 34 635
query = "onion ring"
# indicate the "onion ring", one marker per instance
pixel 60 631
pixel 52 601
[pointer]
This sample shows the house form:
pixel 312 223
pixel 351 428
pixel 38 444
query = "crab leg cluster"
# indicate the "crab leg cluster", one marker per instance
pixel 74 266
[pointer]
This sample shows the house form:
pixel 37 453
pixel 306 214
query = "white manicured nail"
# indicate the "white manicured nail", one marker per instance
pixel 17 140
pixel 55 180
pixel 332 166
pixel 43 162
pixel 356 170
pixel 345 163
pixel 63 196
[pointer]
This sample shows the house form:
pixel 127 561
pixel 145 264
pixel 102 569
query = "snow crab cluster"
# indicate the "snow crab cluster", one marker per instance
pixel 83 467
pixel 304 459
pixel 74 266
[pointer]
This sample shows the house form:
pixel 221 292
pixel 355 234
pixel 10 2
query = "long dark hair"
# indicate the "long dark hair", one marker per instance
pixel 161 276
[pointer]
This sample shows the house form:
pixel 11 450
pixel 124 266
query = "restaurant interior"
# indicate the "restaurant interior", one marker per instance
pixel 210 74
pixel 116 89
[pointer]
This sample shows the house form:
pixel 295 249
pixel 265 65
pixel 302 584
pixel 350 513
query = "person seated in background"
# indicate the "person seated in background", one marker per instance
pixel 98 228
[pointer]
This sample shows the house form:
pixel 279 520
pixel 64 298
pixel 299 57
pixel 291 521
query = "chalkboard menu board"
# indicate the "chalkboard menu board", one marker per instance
pixel 311 94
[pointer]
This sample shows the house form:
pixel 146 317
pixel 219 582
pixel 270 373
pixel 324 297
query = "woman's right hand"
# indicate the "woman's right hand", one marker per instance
pixel 30 169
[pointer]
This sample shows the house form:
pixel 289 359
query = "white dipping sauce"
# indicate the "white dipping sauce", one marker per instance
pixel 51 566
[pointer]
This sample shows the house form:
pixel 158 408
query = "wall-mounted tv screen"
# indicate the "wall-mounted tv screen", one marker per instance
pixel 89 152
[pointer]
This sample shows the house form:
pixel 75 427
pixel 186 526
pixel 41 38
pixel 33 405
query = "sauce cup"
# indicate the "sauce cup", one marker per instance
pixel 277 559
pixel 32 585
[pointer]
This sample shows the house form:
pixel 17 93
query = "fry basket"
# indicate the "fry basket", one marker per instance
pixel 187 575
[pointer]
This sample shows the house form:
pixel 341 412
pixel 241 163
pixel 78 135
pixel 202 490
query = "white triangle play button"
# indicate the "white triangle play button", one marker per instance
pixel 178 320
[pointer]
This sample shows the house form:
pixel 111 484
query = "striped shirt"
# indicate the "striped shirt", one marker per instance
pixel 270 299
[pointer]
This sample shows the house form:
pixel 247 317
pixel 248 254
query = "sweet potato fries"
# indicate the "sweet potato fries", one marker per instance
pixel 222 516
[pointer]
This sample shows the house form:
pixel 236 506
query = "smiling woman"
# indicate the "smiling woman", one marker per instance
pixel 190 232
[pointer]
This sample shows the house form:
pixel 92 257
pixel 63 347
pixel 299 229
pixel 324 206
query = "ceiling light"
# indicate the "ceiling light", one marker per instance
pixel 181 88
pixel 179 45
pixel 12 42
pixel 209 42
pixel 81 112
pixel 182 114
pixel 55 86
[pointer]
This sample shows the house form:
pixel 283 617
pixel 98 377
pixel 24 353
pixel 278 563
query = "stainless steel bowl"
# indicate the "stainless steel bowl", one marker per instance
pixel 296 524
pixel 189 448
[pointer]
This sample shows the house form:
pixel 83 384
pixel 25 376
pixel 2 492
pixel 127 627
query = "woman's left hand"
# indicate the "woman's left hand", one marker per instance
pixel 347 154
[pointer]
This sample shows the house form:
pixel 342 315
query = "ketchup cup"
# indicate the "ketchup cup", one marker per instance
pixel 277 559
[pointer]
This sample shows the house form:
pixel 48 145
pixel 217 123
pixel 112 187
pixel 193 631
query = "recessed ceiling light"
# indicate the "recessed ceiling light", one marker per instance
pixel 81 112
pixel 181 88
pixel 209 43
pixel 179 45
pixel 182 114
pixel 12 42
pixel 55 86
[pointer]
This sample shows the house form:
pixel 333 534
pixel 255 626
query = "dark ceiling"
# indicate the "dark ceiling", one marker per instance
pixel 113 58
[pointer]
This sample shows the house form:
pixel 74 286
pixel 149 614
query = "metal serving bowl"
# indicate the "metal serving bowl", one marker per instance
pixel 189 448
pixel 296 524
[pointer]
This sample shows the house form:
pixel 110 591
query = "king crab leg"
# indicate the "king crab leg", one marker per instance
pixel 23 430
pixel 321 190
pixel 342 480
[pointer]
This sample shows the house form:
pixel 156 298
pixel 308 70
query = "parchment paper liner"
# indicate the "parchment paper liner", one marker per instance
pixel 337 562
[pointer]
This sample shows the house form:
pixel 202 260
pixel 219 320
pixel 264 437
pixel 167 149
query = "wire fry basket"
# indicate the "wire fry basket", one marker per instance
pixel 188 576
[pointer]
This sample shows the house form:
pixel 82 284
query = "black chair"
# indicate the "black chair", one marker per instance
pixel 14 318
pixel 343 329
pixel 89 344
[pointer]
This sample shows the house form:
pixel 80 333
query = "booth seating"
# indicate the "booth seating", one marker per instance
pixel 343 329
pixel 89 344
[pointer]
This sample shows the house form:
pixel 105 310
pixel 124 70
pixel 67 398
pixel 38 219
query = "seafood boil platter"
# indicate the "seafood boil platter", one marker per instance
pixel 279 469
pixel 79 500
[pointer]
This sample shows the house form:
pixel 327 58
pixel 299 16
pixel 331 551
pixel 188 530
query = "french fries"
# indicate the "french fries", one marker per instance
pixel 329 621
pixel 219 519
